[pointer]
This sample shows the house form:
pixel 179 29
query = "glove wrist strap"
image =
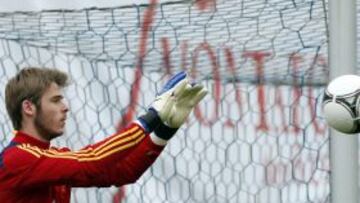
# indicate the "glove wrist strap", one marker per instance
pixel 165 132
pixel 150 120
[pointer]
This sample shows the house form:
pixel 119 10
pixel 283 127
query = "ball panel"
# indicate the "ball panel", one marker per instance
pixel 340 117
pixel 344 85
pixel 357 107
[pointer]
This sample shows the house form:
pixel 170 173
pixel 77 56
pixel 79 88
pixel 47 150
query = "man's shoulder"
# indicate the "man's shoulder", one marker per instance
pixel 18 155
pixel 6 150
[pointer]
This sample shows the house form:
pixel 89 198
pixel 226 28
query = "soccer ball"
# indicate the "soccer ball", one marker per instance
pixel 341 104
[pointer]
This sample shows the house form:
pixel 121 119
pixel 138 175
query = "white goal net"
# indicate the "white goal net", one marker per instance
pixel 258 136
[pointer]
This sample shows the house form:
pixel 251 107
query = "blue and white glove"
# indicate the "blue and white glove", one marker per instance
pixel 183 102
pixel 159 111
pixel 172 106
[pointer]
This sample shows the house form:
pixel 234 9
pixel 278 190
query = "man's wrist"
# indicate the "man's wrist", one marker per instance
pixel 165 132
pixel 150 120
pixel 157 140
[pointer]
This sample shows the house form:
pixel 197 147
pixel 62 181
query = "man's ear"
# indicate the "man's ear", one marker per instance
pixel 28 108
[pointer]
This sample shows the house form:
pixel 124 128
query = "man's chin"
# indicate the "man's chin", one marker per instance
pixel 53 135
pixel 58 134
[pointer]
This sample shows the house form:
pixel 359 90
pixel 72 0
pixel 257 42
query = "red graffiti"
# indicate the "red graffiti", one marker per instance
pixel 135 88
pixel 166 55
pixel 119 195
pixel 259 57
pixel 205 50
pixel 232 69
pixel 296 60
pixel 216 76
pixel 184 51
pixel 312 103
pixel 205 4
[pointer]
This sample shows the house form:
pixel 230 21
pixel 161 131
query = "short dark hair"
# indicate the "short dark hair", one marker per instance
pixel 30 83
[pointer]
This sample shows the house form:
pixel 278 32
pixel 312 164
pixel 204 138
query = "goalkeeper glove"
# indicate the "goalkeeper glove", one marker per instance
pixel 160 109
pixel 184 102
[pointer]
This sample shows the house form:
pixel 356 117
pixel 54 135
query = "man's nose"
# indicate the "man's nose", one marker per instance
pixel 65 107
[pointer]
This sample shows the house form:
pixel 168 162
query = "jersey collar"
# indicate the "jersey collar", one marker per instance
pixel 21 137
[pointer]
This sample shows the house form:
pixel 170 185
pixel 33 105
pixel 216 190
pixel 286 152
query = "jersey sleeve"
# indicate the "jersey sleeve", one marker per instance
pixel 120 159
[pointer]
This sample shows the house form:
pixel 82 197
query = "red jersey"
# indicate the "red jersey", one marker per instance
pixel 31 171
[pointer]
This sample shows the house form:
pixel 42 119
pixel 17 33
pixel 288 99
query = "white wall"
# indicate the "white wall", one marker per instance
pixel 34 5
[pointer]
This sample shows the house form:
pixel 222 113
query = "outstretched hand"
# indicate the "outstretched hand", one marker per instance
pixel 164 102
pixel 172 106
pixel 185 101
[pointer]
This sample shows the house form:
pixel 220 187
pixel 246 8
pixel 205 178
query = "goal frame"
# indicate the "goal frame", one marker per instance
pixel 344 160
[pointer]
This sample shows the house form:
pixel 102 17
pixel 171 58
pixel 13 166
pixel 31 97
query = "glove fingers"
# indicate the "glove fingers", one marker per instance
pixel 191 91
pixel 195 95
pixel 183 107
pixel 196 88
pixel 200 95
pixel 180 88
pixel 174 80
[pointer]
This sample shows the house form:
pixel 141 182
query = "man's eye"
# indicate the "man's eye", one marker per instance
pixel 57 99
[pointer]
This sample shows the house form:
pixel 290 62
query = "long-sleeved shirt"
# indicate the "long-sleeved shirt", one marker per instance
pixel 31 171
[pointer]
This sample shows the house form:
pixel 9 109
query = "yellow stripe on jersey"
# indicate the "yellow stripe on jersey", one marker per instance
pixel 118 136
pixel 126 146
pixel 38 152
pixel 89 151
pixel 91 154
pixel 29 150
pixel 103 149
pixel 113 145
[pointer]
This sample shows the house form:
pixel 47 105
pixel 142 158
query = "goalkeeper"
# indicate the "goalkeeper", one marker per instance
pixel 32 171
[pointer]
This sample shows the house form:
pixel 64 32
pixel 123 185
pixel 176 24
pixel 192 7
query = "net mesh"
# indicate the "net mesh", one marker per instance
pixel 258 136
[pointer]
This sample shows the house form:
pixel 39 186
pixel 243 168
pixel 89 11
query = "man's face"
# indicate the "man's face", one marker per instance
pixel 50 117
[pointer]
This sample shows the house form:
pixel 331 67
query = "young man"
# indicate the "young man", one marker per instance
pixel 33 171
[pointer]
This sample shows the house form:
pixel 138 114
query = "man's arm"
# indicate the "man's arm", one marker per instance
pixel 102 164
pixel 117 160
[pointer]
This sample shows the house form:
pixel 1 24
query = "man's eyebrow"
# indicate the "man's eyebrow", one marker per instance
pixel 57 97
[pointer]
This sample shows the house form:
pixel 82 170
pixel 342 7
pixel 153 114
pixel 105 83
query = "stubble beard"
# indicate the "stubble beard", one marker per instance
pixel 43 128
